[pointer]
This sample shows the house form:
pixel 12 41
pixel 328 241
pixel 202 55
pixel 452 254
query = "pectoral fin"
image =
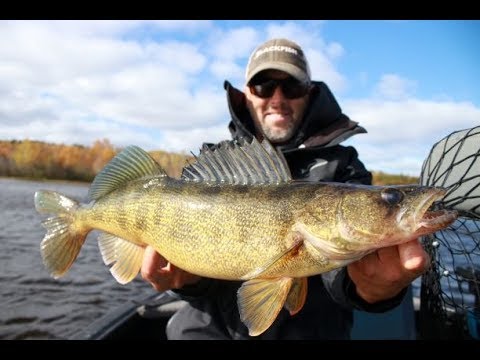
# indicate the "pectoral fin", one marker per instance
pixel 291 251
pixel 297 295
pixel 126 256
pixel 260 301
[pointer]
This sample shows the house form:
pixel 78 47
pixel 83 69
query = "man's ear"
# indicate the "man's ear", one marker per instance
pixel 247 92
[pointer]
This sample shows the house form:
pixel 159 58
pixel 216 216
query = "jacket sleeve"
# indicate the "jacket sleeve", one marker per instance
pixel 342 290
pixel 205 288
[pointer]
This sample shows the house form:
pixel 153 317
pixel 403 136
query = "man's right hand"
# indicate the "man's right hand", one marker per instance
pixel 163 275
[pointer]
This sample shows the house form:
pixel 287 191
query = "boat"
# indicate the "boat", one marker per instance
pixel 144 318
pixel 433 313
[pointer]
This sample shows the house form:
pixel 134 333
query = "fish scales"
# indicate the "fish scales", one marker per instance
pixel 235 227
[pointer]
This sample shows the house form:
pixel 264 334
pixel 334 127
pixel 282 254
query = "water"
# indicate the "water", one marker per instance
pixel 33 305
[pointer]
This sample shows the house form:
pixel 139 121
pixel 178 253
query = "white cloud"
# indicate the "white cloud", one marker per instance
pixel 323 69
pixel 401 133
pixel 134 83
pixel 175 55
pixel 228 70
pixel 392 86
pixel 192 140
pixel 227 48
pixel 233 44
pixel 334 50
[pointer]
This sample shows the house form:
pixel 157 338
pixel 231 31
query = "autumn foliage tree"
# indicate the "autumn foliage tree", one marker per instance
pixel 40 160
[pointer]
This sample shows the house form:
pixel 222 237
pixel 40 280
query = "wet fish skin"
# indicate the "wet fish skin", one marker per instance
pixel 273 232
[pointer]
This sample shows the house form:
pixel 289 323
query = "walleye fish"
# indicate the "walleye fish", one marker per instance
pixel 235 214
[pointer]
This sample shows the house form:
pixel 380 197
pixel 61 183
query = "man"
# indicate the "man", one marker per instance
pixel 303 120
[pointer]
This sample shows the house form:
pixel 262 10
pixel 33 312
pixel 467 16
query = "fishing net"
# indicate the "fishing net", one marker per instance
pixel 450 289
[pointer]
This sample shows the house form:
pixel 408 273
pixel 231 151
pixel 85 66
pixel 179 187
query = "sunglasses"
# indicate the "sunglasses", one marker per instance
pixel 291 88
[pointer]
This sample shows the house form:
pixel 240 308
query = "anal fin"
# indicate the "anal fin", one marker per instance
pixel 126 256
pixel 297 295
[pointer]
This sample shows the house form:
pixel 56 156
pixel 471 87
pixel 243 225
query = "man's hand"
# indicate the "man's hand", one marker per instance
pixel 383 274
pixel 163 275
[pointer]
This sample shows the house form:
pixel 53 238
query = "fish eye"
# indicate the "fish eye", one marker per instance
pixel 392 196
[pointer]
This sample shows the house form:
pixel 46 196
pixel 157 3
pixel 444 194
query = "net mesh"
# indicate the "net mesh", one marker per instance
pixel 450 289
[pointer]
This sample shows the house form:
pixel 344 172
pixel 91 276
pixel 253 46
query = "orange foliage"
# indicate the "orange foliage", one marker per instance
pixel 36 159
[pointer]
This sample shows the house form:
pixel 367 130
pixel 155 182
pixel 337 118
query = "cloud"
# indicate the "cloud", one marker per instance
pixel 129 82
pixel 192 140
pixel 120 71
pixel 392 86
pixel 401 133
pixel 233 44
pixel 227 48
pixel 334 50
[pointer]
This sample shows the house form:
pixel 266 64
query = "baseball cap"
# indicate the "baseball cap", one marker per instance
pixel 279 54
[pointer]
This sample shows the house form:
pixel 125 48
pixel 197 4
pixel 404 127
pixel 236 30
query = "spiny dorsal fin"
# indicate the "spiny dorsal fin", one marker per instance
pixel 239 163
pixel 132 163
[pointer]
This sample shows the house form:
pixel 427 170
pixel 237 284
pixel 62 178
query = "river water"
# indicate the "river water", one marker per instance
pixel 33 305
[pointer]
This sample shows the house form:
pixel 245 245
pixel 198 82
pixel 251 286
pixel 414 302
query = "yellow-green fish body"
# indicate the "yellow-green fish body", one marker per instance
pixel 236 214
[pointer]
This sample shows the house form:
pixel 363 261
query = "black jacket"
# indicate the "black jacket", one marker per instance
pixel 314 154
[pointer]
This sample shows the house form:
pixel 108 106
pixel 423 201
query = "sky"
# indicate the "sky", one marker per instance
pixel 159 84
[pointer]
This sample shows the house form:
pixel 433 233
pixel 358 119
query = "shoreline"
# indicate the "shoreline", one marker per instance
pixel 59 181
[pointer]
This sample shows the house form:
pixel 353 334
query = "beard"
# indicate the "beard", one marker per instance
pixel 279 135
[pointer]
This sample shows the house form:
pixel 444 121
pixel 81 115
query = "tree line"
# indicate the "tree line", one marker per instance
pixel 41 160
pixel 381 178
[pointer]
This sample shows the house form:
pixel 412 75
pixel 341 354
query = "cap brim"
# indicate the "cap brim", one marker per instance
pixel 290 69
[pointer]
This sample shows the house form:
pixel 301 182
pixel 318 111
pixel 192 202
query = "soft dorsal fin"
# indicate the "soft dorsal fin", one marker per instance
pixel 239 163
pixel 130 164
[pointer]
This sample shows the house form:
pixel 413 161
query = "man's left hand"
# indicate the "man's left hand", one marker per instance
pixel 384 273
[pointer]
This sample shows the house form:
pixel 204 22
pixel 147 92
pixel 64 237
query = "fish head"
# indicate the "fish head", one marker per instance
pixel 377 216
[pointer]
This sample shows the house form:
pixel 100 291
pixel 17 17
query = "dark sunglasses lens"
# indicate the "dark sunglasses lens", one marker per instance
pixel 291 88
pixel 294 90
pixel 264 90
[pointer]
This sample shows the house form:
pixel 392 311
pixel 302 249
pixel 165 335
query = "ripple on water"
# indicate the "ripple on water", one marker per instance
pixel 21 320
pixel 42 281
pixel 35 334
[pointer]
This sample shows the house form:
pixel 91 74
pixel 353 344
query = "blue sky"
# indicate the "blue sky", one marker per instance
pixel 159 84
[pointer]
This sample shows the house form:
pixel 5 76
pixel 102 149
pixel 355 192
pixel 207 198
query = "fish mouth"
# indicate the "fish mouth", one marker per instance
pixel 431 220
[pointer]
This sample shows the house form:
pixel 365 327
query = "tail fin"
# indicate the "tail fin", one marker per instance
pixel 63 240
